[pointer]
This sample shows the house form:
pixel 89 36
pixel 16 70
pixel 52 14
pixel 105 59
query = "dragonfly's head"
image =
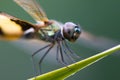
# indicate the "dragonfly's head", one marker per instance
pixel 71 31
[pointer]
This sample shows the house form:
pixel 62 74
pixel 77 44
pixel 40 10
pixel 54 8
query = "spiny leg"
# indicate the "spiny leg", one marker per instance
pixel 40 50
pixel 35 71
pixel 67 54
pixel 51 46
pixel 61 52
pixel 59 49
pixel 70 50
pixel 57 54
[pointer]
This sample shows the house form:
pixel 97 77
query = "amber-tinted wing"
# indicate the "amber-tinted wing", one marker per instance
pixel 32 7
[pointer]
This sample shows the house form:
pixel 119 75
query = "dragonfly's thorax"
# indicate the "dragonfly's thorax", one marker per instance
pixel 48 32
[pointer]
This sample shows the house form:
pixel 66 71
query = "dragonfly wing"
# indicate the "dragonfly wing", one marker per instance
pixel 33 9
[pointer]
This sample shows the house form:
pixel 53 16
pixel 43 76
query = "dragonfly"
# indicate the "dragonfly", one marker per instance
pixel 52 31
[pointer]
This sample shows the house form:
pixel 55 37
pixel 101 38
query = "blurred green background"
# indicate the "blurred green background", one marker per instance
pixel 99 17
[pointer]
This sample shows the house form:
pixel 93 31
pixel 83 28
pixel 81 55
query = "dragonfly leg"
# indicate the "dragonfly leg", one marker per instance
pixel 70 50
pixel 40 50
pixel 57 54
pixel 51 46
pixel 35 71
pixel 59 49
pixel 68 55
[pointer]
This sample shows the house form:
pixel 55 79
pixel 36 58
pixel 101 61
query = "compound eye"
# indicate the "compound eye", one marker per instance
pixel 77 29
pixel 71 31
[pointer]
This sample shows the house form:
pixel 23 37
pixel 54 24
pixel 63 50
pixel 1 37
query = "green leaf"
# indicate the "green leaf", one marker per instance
pixel 63 73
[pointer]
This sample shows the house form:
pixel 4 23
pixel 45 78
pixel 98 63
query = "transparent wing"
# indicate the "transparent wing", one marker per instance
pixel 32 7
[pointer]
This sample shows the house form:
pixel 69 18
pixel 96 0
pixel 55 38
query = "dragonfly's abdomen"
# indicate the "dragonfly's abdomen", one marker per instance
pixel 12 28
pixel 8 28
